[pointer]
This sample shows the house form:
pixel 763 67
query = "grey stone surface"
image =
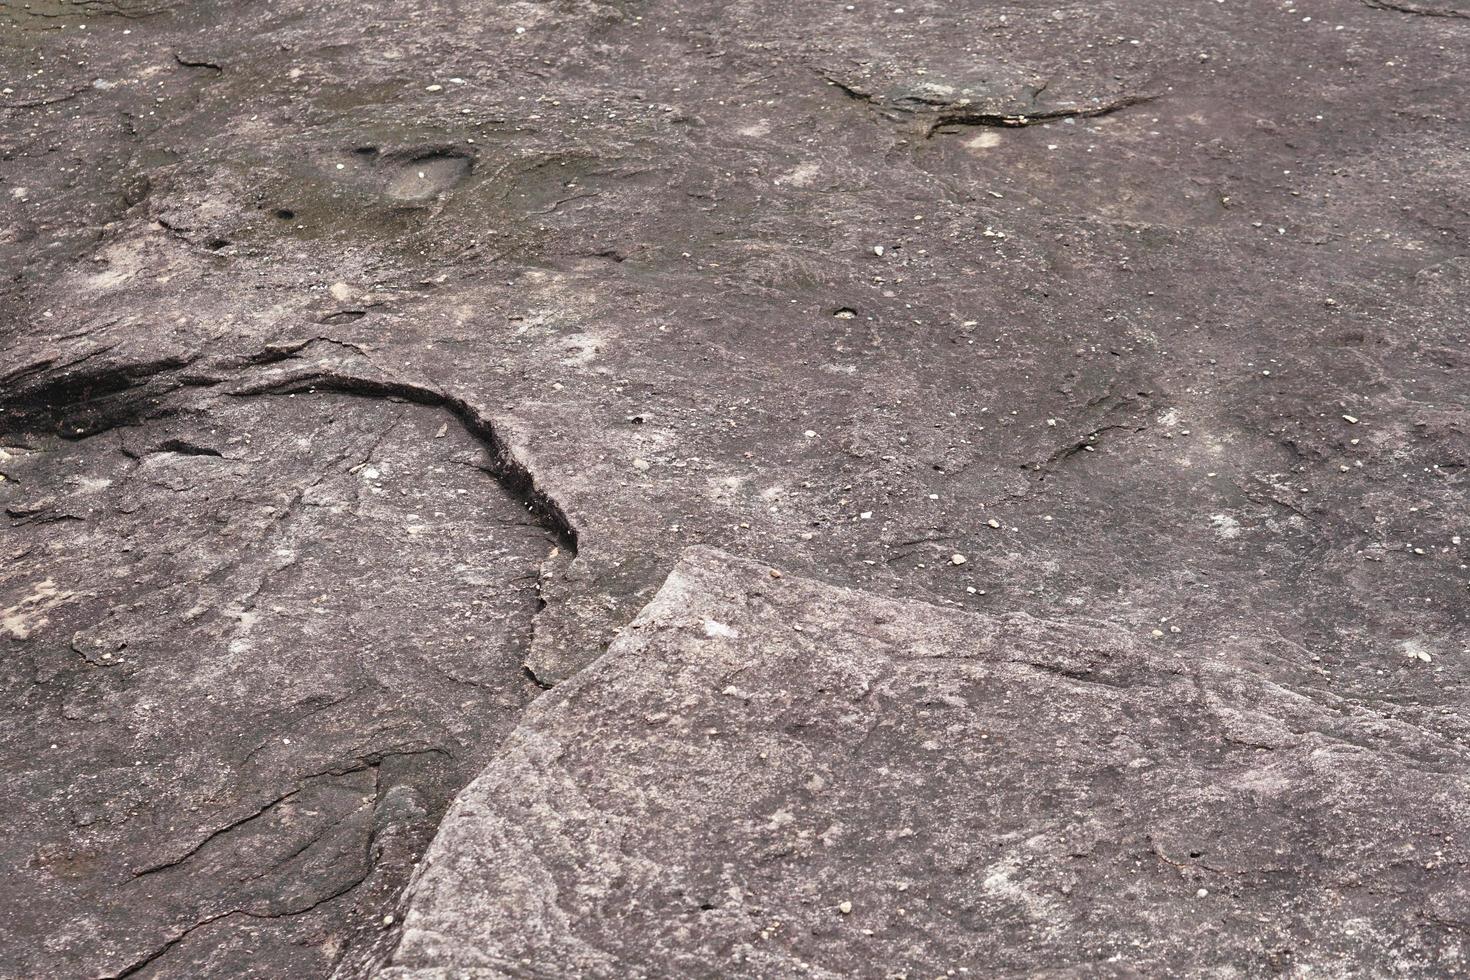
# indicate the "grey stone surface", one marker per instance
pixel 1155 315
pixel 773 777
pixel 252 650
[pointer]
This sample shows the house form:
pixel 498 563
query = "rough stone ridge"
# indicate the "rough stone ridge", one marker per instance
pixel 774 777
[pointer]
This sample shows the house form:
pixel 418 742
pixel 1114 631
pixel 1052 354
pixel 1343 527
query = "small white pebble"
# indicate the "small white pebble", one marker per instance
pixel 957 559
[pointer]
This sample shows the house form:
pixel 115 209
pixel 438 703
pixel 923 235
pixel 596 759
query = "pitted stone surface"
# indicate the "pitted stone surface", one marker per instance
pixel 1154 317
pixel 773 777
pixel 252 649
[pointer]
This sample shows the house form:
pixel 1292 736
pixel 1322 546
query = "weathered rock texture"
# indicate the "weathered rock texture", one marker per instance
pixel 774 777
pixel 254 647
pixel 1153 313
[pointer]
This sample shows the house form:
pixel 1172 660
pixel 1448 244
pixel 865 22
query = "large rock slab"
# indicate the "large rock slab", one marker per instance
pixel 770 776
pixel 1157 320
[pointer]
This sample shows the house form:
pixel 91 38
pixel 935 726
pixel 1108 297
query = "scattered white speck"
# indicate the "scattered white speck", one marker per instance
pixel 1226 527
pixel 717 630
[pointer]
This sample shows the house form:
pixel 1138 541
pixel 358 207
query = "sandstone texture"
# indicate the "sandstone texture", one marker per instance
pixel 366 368
pixel 775 778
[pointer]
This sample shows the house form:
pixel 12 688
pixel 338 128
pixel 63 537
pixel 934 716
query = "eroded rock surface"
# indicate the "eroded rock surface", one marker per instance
pixel 774 777
pixel 252 648
pixel 1104 312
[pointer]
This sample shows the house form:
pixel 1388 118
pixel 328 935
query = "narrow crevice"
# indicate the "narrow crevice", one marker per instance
pixel 185 448
pixel 504 466
pixel 217 833
pixel 1088 443
pixel 163 950
pixel 942 116
pixel 85 404
pixel 856 94
pixel 1418 10
pixel 198 63
pixel 954 117
pixel 531 675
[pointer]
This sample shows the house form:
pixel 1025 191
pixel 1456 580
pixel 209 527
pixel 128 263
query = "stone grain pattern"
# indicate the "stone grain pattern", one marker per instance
pixel 776 777
pixel 252 650
pixel 1153 314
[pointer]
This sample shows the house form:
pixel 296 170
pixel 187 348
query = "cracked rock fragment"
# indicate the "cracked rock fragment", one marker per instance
pixel 837 784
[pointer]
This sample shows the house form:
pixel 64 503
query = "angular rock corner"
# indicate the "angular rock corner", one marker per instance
pixel 772 776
